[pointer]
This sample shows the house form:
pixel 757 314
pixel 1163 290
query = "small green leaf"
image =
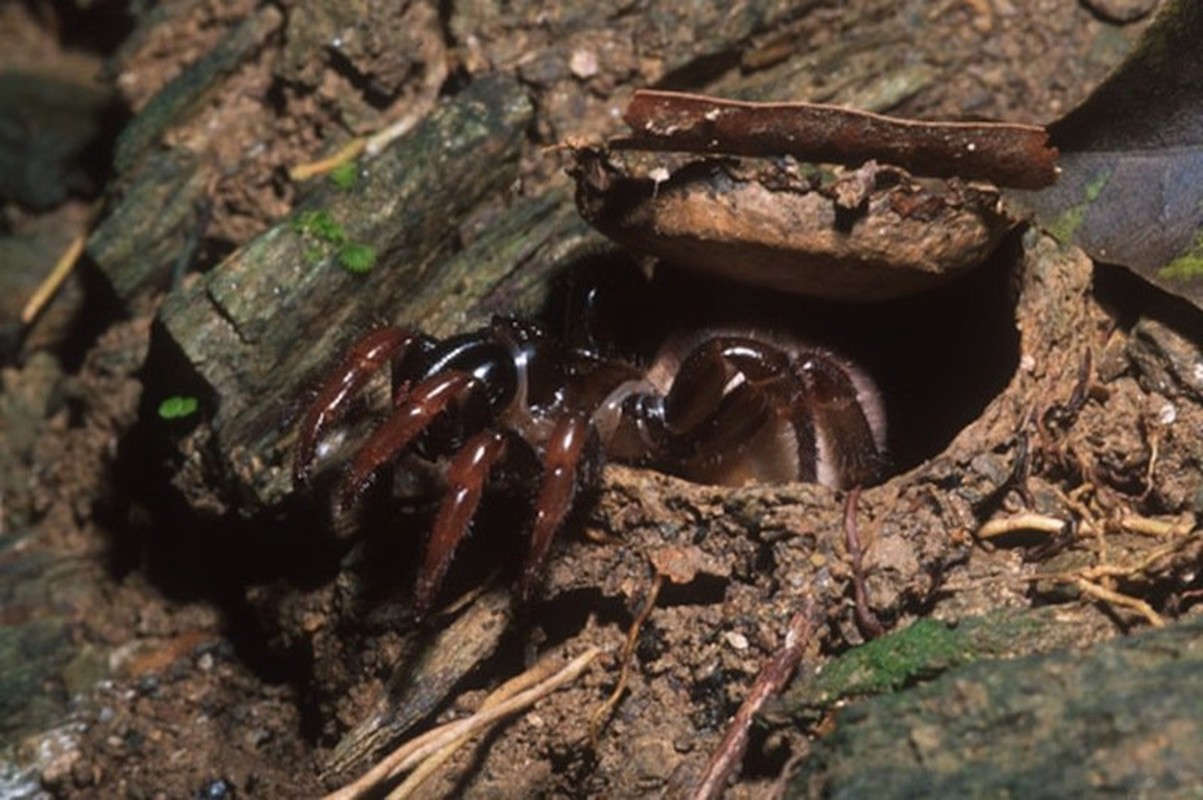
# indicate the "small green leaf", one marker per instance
pixel 345 175
pixel 356 257
pixel 178 407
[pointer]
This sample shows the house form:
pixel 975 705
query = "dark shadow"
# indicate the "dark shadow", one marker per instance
pixel 191 554
pixel 1128 297
pixel 938 357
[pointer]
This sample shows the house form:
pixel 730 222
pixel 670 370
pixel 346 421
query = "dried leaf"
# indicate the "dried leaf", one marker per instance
pixel 1131 189
pixel 1008 155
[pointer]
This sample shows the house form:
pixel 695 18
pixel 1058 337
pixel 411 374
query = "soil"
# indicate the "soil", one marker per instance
pixel 164 656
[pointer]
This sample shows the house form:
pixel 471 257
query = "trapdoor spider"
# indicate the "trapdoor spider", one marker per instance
pixel 513 402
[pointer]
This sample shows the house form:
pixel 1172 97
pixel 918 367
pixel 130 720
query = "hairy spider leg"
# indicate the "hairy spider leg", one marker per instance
pixel 731 415
pixel 562 464
pixel 466 476
pixel 850 429
pixel 426 401
pixel 363 360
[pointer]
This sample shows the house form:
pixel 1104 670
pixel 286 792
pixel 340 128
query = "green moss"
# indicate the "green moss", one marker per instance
pixel 894 660
pixel 319 225
pixel 178 407
pixel 1067 223
pixel 345 175
pixel 911 655
pixel 323 236
pixel 356 257
pixel 1187 266
pixel 313 255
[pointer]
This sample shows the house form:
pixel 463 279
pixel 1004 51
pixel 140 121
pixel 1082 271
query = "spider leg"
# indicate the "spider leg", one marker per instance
pixel 741 408
pixel 362 361
pixel 425 402
pixel 565 462
pixel 723 391
pixel 848 422
pixel 467 474
pixel 730 415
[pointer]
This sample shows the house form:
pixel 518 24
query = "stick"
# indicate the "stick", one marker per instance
pixel 413 752
pixel 47 288
pixel 771 680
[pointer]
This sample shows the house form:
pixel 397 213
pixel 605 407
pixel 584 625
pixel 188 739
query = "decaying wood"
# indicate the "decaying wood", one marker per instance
pixel 260 326
pixel 1109 718
pixel 419 687
pixel 139 241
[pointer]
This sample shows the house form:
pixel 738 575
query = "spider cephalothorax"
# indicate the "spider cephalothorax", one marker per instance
pixel 722 406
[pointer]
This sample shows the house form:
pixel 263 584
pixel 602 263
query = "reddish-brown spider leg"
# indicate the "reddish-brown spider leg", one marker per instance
pixel 425 402
pixel 731 415
pixel 848 424
pixel 743 409
pixel 361 362
pixel 466 477
pixel 557 490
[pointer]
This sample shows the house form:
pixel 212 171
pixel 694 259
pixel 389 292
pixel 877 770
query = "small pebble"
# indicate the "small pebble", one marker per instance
pixel 583 64
pixel 737 640
pixel 217 789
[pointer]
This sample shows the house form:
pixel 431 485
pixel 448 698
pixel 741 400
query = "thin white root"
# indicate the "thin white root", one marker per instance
pixel 412 753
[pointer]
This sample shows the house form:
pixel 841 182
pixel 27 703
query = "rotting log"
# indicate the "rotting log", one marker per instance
pixel 1125 714
pixel 160 190
pixel 259 327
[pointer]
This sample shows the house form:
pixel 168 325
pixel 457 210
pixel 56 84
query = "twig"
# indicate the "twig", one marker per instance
pixel 1149 526
pixel 372 144
pixel 771 680
pixel 471 596
pixel 395 130
pixel 499 695
pixel 47 288
pixel 869 624
pixel 1154 438
pixel 417 750
pixel 1115 598
pixel 1132 523
pixel 310 169
pixel 604 711
pixel 1009 155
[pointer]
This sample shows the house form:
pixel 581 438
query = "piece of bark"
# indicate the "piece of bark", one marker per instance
pixel 188 90
pixel 1008 155
pixel 869 234
pixel 138 242
pixel 260 327
pixel 422 682
pixel 146 229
